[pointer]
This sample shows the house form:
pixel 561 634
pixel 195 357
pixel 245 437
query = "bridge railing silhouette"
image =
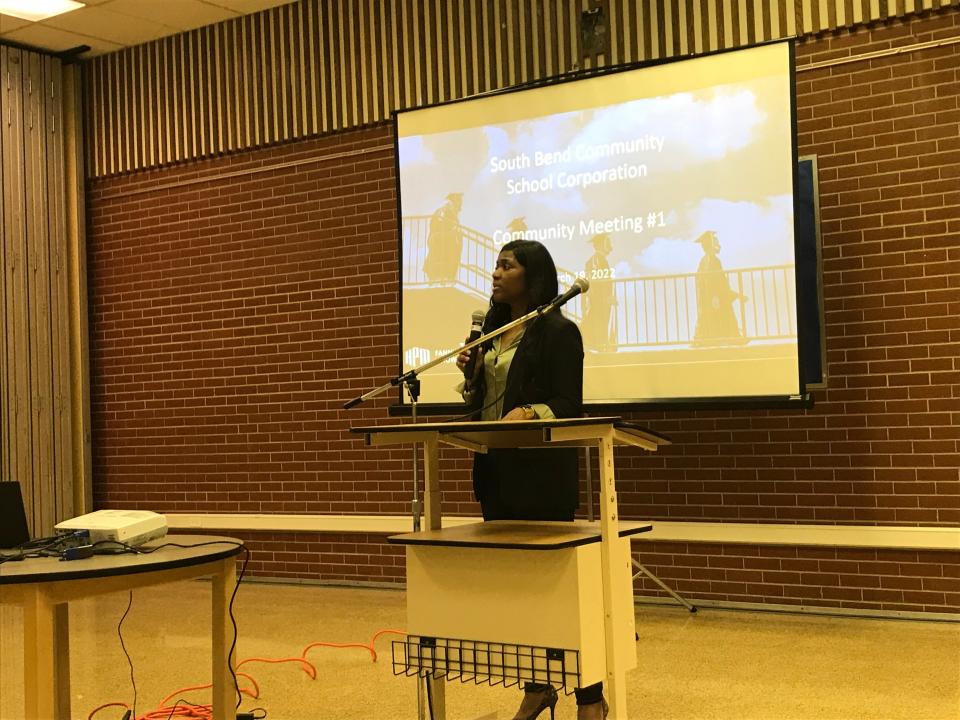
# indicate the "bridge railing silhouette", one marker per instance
pixel 658 311
pixel 662 310
pixel 478 256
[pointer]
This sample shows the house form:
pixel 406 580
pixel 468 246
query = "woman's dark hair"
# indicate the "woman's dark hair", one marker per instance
pixel 540 274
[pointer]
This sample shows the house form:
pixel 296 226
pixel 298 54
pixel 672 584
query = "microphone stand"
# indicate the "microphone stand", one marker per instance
pixel 410 379
pixel 410 376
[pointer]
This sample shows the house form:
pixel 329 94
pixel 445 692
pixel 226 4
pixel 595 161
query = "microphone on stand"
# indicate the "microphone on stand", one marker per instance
pixel 580 285
pixel 476 330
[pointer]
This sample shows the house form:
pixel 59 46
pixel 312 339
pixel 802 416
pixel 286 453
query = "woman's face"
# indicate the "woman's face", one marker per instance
pixel 509 279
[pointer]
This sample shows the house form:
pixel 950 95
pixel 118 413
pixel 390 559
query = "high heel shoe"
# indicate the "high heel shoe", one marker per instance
pixel 535 702
pixel 593 711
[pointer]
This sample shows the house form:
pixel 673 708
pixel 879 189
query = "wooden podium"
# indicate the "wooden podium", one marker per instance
pixel 515 601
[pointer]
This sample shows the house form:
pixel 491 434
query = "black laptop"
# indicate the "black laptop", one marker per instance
pixel 13 518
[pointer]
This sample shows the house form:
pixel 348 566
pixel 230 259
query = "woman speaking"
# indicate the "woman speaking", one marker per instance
pixel 532 371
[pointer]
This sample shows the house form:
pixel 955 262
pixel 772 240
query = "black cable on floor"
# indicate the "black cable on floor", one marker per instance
pixel 233 620
pixel 124 647
pixel 177 705
pixel 426 681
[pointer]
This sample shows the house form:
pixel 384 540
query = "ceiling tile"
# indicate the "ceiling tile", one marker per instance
pixel 102 23
pixel 8 23
pixel 245 7
pixel 54 40
pixel 179 14
pixel 109 25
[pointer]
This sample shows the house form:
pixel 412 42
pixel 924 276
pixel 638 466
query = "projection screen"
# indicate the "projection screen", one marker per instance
pixel 670 188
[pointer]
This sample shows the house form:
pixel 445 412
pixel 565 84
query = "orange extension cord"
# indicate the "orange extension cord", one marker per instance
pixel 205 712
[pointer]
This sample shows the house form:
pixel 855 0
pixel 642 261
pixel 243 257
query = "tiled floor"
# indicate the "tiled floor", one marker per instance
pixel 716 664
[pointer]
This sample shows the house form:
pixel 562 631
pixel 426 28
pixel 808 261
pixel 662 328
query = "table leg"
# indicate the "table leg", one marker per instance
pixel 609 533
pixel 61 646
pixel 38 656
pixel 224 694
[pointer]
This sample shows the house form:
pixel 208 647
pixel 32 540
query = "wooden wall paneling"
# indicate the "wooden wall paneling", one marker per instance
pixel 78 390
pixel 318 66
pixel 60 320
pixel 37 377
pixel 7 401
pixel 18 341
pixel 38 293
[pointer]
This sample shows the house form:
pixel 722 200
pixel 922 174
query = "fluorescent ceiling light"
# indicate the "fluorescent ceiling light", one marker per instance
pixel 37 9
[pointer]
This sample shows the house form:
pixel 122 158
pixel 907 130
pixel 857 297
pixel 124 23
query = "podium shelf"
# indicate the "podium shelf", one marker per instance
pixel 482 662
pixel 517 534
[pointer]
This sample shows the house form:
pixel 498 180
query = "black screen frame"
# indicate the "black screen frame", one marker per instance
pixel 802 400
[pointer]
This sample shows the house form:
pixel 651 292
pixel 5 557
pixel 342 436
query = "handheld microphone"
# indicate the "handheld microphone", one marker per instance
pixel 476 330
pixel 580 285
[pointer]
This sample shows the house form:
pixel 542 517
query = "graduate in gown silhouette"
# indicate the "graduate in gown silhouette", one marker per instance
pixel 599 326
pixel 444 242
pixel 716 322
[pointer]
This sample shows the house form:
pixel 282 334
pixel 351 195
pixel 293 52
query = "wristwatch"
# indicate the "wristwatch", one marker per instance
pixel 528 412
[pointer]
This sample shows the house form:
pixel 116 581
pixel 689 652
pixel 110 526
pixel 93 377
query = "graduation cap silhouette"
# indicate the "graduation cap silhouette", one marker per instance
pixel 601 240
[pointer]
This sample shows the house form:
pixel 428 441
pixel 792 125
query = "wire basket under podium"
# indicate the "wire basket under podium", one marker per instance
pixel 484 662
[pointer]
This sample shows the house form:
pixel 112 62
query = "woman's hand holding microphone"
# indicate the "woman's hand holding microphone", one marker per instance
pixel 469 356
pixel 464 359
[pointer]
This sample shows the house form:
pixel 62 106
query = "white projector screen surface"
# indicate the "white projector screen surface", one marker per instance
pixel 670 188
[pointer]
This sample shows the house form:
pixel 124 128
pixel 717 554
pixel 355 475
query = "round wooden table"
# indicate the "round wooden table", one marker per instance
pixel 44 587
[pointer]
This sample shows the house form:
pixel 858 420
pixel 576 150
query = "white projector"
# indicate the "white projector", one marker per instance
pixel 132 527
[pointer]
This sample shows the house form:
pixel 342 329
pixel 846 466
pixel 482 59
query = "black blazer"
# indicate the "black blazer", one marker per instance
pixel 536 484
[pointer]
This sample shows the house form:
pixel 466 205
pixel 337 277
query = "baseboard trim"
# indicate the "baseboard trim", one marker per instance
pixel 887 537
pixel 898 537
pixel 800 609
pixel 732 606
pixel 356 584
pixel 268 522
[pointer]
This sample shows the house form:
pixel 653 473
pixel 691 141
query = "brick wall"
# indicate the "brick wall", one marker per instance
pixel 233 312
pixel 862 578
pixel 332 557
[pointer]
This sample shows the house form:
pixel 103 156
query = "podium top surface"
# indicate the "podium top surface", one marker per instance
pixel 516 434
pixel 517 534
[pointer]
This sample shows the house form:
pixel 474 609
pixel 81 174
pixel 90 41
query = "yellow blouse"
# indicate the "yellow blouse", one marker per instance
pixel 496 366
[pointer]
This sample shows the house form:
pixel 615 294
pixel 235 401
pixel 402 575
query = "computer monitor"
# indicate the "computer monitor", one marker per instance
pixel 13 517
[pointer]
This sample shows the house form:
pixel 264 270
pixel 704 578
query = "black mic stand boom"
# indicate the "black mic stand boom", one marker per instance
pixel 410 376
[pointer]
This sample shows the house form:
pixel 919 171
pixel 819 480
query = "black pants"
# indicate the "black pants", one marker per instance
pixel 534 484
